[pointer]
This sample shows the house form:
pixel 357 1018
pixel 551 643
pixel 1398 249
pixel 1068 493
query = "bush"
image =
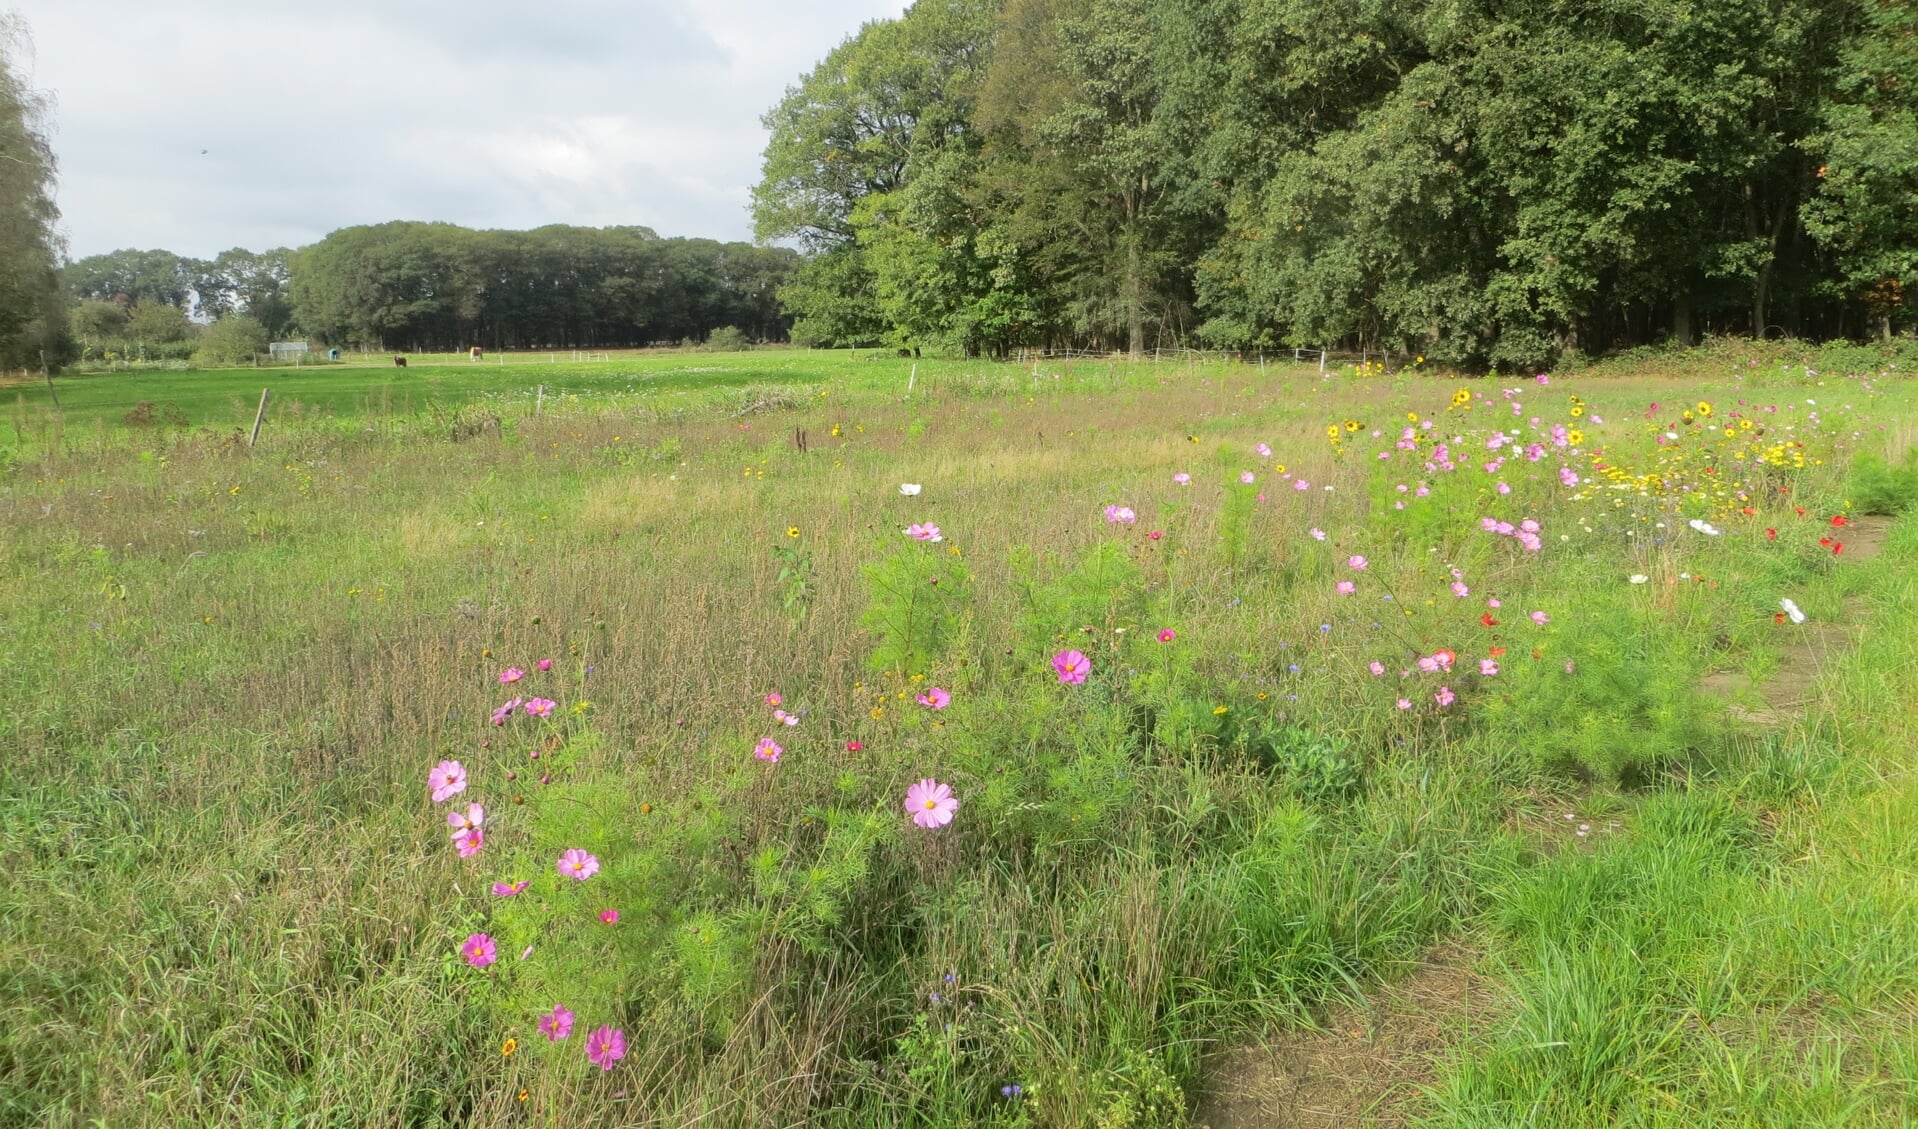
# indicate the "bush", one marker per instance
pixel 728 339
pixel 1878 487
pixel 234 340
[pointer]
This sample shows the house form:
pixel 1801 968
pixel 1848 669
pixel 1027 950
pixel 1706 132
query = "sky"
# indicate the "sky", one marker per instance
pixel 199 125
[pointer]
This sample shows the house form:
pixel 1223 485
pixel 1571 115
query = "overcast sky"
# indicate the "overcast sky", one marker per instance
pixel 198 125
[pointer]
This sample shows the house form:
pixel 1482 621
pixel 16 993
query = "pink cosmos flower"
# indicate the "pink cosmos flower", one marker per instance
pixel 1541 618
pixel 1316 534
pixel 1405 703
pixel 1155 535
pixel 774 699
pixel 502 713
pixel 1346 588
pixel 1429 665
pixel 469 842
pixel 1182 478
pixel 1445 697
pixel 1301 485
pixel 479 950
pixel 1356 562
pixel 511 674
pixel 1460 590
pixel 931 803
pixel 605 1046
pixel 1120 515
pixel 472 817
pixel 576 863
pixel 558 1025
pixel 1377 669
pixel 768 750
pixel 448 779
pixel 1168 635
pixel 784 718
pixel 545 664
pixel 935 698
pixel 1247 477
pixel 540 707
pixel 1487 667
pixel 507 890
pixel 926 532
pixel 609 916
pixel 1494 603
pixel 1264 451
pixel 854 746
pixel 1071 666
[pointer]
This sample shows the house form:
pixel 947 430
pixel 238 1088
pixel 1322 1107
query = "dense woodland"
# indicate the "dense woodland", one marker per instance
pixel 1487 182
pixel 435 286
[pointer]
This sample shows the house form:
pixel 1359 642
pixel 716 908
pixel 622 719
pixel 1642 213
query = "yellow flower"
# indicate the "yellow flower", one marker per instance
pixel 1331 431
pixel 1575 436
pixel 509 1046
pixel 524 1093
pixel 1686 416
pixel 877 712
pixel 1705 409
pixel 1411 417
pixel 1578 410
pixel 1461 398
pixel 1352 425
pixel 792 531
pixel 1219 711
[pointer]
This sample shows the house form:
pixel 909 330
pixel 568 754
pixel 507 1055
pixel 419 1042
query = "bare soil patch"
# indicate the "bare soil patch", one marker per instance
pixel 1365 1068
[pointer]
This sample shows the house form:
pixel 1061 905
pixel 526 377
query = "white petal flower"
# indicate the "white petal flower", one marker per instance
pixel 1639 578
pixel 1705 527
pixel 1791 610
pixel 909 489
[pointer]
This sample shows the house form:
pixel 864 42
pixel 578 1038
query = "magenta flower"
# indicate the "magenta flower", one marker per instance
pixel 1488 667
pixel 479 950
pixel 469 842
pixel 1460 590
pixel 503 712
pixel 1445 697
pixel 508 889
pixel 448 779
pixel 1182 478
pixel 774 699
pixel 1346 587
pixel 540 707
pixel 1541 618
pixel 575 863
pixel 609 916
pixel 931 803
pixel 511 674
pixel 854 746
pixel 935 698
pixel 545 664
pixel 472 817
pixel 784 718
pixel 1377 669
pixel 768 750
pixel 1168 635
pixel 1356 562
pixel 1071 666
pixel 558 1025
pixel 926 532
pixel 605 1046
pixel 1121 515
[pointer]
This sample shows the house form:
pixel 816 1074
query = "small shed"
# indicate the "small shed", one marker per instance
pixel 288 350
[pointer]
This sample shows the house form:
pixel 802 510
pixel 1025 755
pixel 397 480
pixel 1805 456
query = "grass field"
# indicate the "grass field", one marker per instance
pixel 1232 753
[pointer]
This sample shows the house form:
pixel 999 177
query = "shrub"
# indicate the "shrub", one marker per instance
pixel 233 340
pixel 728 339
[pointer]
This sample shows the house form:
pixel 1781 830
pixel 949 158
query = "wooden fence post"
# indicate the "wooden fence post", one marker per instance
pixel 258 417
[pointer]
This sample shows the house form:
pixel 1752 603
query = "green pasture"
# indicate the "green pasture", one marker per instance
pixel 228 673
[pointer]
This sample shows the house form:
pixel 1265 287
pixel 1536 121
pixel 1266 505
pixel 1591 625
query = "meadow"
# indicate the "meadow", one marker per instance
pixel 1055 745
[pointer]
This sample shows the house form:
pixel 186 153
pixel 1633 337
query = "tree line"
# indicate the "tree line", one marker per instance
pixel 438 287
pixel 1485 182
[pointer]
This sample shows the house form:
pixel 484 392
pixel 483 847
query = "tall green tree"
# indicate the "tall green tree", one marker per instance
pixel 32 315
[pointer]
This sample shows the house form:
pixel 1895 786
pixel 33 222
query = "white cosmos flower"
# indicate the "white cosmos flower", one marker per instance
pixel 1791 610
pixel 1639 578
pixel 909 489
pixel 1705 527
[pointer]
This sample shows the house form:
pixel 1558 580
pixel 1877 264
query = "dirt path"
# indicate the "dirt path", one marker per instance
pixel 1363 1069
pixel 1790 688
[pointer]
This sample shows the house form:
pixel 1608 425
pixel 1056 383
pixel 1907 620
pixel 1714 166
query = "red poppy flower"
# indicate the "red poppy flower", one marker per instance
pixel 1498 652
pixel 1487 620
pixel 1771 535
pixel 1839 521
pixel 1837 547
pixel 1800 509
pixel 1825 541
pixel 1778 617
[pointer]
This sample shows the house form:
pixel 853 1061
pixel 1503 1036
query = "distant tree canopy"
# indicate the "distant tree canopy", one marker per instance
pixel 32 317
pixel 1488 182
pixel 436 286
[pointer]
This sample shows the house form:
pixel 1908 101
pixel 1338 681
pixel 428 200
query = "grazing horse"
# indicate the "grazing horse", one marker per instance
pixel 399 362
pixel 477 353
